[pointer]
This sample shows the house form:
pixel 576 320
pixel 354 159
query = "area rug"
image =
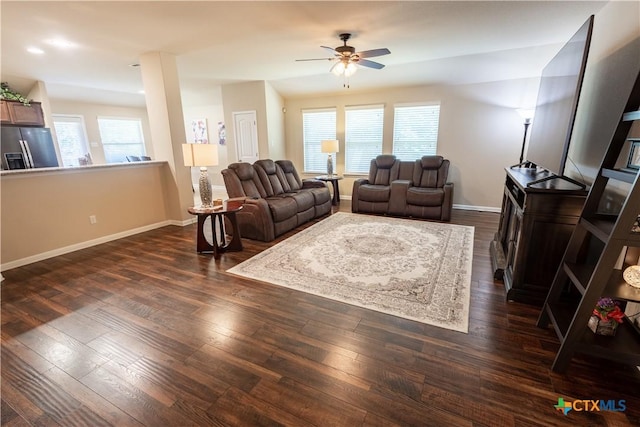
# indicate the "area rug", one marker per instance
pixel 417 270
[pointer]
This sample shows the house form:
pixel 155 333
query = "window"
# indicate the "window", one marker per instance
pixel 317 125
pixel 363 137
pixel 415 131
pixel 121 137
pixel 72 138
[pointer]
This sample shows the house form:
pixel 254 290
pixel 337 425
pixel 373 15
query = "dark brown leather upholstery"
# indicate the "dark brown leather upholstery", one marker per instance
pixel 420 188
pixel 275 199
pixel 372 194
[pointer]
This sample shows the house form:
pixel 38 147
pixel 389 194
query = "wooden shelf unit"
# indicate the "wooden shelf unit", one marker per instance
pixel 596 277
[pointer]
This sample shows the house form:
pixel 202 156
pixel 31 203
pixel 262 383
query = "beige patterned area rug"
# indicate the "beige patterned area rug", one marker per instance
pixel 413 269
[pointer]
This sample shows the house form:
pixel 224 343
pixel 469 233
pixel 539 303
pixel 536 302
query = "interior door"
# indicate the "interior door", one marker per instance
pixel 246 135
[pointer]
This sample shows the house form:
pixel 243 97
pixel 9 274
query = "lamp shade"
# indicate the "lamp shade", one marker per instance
pixel 200 154
pixel 330 146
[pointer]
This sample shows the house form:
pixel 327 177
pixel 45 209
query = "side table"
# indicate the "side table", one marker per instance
pixel 218 214
pixel 334 181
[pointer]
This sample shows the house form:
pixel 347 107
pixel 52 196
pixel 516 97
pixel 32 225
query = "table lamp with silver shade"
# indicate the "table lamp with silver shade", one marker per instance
pixel 202 155
pixel 330 146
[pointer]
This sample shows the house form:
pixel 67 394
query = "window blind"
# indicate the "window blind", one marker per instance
pixel 415 131
pixel 121 137
pixel 317 125
pixel 363 137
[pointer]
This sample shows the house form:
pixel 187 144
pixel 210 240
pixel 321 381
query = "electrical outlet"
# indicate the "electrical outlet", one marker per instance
pixel 92 219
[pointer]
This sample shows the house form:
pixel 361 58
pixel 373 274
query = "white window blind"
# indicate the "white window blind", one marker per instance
pixel 415 131
pixel 317 125
pixel 363 137
pixel 72 138
pixel 121 137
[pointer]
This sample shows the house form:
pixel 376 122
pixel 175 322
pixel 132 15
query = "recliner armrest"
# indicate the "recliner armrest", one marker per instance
pixel 398 196
pixel 354 193
pixel 447 203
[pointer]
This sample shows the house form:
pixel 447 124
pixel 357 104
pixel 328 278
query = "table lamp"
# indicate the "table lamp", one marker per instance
pixel 202 155
pixel 330 146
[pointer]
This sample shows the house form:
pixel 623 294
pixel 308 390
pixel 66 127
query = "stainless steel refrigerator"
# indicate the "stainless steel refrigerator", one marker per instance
pixel 24 148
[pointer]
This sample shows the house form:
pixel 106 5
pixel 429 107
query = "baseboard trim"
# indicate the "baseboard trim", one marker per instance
pixel 455 206
pixel 477 208
pixel 89 243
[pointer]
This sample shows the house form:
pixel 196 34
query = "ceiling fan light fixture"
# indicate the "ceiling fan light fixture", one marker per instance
pixel 338 68
pixel 344 68
pixel 350 69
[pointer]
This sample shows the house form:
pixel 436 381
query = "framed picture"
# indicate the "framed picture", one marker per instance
pixel 634 154
pixel 199 129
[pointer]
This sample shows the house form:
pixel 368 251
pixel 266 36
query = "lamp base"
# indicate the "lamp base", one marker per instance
pixel 329 165
pixel 205 188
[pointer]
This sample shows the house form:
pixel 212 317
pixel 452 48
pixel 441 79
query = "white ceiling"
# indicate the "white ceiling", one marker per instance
pixel 216 42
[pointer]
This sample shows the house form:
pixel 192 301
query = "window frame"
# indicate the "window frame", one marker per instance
pixel 83 148
pixel 141 144
pixel 314 161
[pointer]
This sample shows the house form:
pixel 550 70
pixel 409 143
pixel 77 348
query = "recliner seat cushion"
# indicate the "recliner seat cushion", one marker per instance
pixel 282 207
pixel 374 193
pixel 304 200
pixel 425 196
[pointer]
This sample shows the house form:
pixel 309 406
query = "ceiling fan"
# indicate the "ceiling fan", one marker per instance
pixel 346 58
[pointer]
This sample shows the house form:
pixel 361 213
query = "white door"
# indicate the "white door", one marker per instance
pixel 246 135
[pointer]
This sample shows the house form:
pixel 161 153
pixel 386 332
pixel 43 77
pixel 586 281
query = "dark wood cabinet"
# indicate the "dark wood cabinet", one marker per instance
pixel 18 114
pixel 536 223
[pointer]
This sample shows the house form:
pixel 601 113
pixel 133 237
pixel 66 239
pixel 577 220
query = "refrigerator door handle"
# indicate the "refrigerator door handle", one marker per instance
pixel 27 154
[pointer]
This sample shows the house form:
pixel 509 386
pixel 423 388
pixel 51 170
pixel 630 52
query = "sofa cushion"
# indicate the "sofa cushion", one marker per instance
pixel 321 195
pixel 430 171
pixel 282 207
pixel 249 183
pixel 290 174
pixel 425 196
pixel 272 178
pixel 383 170
pixel 304 199
pixel 374 193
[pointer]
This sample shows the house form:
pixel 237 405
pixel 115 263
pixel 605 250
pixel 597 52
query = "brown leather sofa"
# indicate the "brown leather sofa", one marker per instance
pixel 275 199
pixel 417 189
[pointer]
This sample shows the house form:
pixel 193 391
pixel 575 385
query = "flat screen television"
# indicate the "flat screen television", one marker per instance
pixel 557 103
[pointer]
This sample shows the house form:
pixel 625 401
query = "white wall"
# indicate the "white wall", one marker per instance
pixel 275 123
pixel 210 108
pixel 480 131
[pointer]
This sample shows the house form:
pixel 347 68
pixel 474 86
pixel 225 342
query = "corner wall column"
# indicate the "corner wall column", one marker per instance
pixel 166 121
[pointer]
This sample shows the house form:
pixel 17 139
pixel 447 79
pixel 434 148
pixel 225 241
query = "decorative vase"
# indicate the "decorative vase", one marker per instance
pixel 329 165
pixel 601 327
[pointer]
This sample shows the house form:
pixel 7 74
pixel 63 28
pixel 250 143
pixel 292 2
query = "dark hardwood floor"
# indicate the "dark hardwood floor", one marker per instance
pixel 144 331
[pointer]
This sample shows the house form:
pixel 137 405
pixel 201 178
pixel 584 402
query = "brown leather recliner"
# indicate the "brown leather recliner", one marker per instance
pixel 421 190
pixel 275 200
pixel 372 194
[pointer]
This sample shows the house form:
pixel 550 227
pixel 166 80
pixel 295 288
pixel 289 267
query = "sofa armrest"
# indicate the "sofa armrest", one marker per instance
pixel 447 203
pixel 398 196
pixel 313 183
pixel 255 219
pixel 354 193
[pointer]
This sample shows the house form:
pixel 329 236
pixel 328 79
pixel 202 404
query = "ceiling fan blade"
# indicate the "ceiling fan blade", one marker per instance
pixel 370 64
pixel 329 48
pixel 373 52
pixel 315 59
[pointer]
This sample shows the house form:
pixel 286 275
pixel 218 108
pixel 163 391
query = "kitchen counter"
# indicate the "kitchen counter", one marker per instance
pixel 72 169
